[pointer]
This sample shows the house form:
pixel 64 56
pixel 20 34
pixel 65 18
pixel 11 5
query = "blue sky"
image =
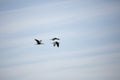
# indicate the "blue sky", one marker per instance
pixel 89 47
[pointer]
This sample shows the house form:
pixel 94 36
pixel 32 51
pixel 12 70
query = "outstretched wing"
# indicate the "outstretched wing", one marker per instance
pixel 55 39
pixel 38 42
pixel 57 43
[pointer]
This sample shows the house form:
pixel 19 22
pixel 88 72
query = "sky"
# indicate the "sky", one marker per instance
pixel 89 32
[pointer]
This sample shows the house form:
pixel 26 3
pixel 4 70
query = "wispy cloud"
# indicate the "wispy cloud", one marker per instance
pixel 88 49
pixel 67 65
pixel 65 34
pixel 66 55
pixel 27 18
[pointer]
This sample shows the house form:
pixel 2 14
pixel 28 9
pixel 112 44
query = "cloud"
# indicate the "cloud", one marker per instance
pixel 60 57
pixel 29 18
pixel 22 61
pixel 63 34
pixel 98 65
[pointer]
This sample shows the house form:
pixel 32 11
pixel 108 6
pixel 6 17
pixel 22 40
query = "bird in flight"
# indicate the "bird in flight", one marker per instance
pixel 56 43
pixel 39 42
pixel 55 39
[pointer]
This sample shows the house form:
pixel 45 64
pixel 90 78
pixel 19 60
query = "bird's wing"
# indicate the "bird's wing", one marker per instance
pixel 37 41
pixel 55 39
pixel 58 39
pixel 57 43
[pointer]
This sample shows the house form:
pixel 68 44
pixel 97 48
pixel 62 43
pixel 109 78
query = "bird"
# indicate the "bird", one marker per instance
pixel 39 42
pixel 56 44
pixel 55 39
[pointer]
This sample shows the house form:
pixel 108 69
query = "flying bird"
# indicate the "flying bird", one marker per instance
pixel 56 43
pixel 39 42
pixel 55 39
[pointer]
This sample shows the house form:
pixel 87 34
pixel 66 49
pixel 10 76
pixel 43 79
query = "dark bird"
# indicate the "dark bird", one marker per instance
pixel 55 39
pixel 38 42
pixel 56 43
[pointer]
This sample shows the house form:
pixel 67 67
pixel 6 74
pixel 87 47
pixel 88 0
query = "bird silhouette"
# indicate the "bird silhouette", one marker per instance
pixel 55 39
pixel 39 42
pixel 56 43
